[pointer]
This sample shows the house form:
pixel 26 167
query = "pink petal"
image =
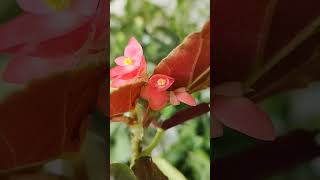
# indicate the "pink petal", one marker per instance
pixel 120 61
pixel 136 72
pixel 35 6
pixel 182 89
pixel 21 30
pixel 143 66
pixel 137 60
pixel 22 69
pixel 120 70
pixel 216 127
pixel 229 89
pixel 153 81
pixel 173 99
pixel 186 98
pixel 132 73
pixel 134 50
pixel 157 99
pixel 85 7
pixel 243 115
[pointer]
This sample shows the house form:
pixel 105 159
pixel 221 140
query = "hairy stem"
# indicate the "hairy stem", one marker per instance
pixel 137 134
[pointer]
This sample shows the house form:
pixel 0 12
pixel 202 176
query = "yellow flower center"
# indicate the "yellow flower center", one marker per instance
pixel 161 82
pixel 128 61
pixel 59 5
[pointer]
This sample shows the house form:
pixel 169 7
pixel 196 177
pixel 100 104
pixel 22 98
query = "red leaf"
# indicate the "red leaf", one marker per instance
pixel 123 99
pixel 204 58
pixel 189 62
pixel 47 118
pixel 236 30
pixel 276 49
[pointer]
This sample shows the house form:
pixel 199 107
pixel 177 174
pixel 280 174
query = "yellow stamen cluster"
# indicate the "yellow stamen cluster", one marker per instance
pixel 59 5
pixel 128 61
pixel 161 82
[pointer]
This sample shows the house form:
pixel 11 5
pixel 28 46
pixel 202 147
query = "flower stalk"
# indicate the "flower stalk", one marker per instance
pixel 155 141
pixel 137 134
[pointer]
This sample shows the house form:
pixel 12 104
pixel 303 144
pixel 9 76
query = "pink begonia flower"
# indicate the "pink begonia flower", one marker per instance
pixel 157 96
pixel 233 110
pixel 130 66
pixel 45 37
pixel 181 95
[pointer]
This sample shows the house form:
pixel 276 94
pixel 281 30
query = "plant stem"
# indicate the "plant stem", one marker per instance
pixel 155 141
pixel 185 115
pixel 146 120
pixel 137 134
pixel 135 149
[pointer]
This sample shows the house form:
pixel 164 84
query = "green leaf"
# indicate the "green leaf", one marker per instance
pixel 121 171
pixel 145 169
pixel 168 169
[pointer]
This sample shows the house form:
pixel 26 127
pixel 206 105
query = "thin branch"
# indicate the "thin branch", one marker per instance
pixel 185 115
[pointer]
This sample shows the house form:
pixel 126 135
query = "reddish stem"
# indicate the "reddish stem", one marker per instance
pixel 155 124
pixel 146 120
pixel 185 115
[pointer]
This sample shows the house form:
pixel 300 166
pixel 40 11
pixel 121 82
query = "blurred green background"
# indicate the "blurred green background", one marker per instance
pixel 160 25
